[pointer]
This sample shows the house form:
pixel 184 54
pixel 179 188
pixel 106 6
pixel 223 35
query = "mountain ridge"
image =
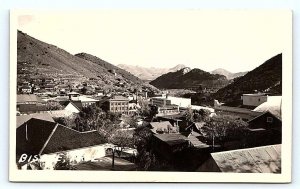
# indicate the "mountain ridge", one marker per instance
pixel 38 59
pixel 265 78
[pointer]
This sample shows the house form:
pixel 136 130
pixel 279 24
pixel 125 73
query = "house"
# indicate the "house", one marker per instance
pixel 49 140
pixel 265 129
pixel 30 103
pixel 118 104
pixel 166 145
pixel 265 159
pixel 162 127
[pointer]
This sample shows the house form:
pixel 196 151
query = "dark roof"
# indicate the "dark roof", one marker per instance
pixel 38 131
pixel 44 137
pixel 77 104
pixel 64 139
pixel 172 139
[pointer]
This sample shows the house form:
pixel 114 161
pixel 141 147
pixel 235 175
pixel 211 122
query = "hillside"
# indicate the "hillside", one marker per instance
pixel 37 59
pixel 151 73
pixel 265 78
pixel 229 75
pixel 187 78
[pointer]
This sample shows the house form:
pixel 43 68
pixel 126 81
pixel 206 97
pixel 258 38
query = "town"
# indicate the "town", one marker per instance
pixel 73 128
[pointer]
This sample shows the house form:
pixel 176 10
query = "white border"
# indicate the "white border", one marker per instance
pixel 121 176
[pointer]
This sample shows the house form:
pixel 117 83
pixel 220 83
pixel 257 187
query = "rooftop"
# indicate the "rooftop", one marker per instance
pixel 119 98
pixel 266 159
pixel 42 116
pixel 21 98
pixel 172 139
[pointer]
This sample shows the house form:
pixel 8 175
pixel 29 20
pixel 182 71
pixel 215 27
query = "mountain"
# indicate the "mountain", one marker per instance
pixel 265 78
pixel 151 73
pixel 37 59
pixel 227 73
pixel 187 78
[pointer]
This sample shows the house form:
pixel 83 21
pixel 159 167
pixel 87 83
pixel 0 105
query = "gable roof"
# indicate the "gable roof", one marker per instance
pixel 266 159
pixel 32 135
pixel 64 139
pixel 42 116
pixel 43 137
pixel 160 126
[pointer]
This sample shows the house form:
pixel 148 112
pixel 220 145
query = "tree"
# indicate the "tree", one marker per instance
pixel 221 128
pixel 144 109
pixel 51 105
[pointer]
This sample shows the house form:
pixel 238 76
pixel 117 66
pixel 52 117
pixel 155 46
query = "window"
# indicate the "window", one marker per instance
pixel 269 119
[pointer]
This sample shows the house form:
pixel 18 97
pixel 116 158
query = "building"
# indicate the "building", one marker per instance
pixel 160 101
pixel 163 127
pixel 167 110
pixel 244 113
pixel 254 99
pixel 118 104
pixel 167 145
pixel 50 140
pixel 265 129
pixel 273 105
pixel 85 101
pixel 266 159
pixel 181 102
pixel 30 103
pixel 72 107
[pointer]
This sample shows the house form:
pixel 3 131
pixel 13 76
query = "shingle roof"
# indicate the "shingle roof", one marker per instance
pixel 43 137
pixel 64 139
pixel 266 159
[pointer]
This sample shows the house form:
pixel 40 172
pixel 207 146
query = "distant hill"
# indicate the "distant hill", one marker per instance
pixel 265 78
pixel 37 59
pixel 187 78
pixel 227 73
pixel 151 73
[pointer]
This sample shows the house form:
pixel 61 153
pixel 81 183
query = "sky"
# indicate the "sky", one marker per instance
pixel 234 40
